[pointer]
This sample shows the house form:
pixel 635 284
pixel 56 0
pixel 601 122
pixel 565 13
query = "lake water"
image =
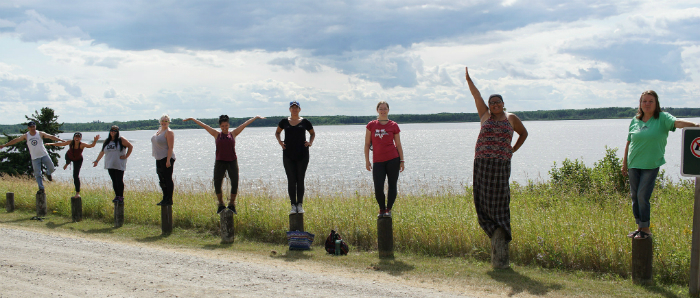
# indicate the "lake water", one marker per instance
pixel 436 153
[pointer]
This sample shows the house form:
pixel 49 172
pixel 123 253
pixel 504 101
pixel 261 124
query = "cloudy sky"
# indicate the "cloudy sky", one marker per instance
pixel 129 60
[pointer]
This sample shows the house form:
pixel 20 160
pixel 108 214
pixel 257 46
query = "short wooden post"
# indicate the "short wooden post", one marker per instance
pixel 227 232
pixel 166 219
pixel 10 201
pixel 499 249
pixel 296 222
pixel 642 257
pixel 118 214
pixel 76 207
pixel 41 208
pixel 385 237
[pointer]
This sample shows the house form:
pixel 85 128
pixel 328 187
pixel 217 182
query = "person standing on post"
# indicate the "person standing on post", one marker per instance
pixel 644 154
pixel 382 137
pixel 162 143
pixel 295 153
pixel 37 151
pixel 113 150
pixel 226 159
pixel 492 157
pixel 75 155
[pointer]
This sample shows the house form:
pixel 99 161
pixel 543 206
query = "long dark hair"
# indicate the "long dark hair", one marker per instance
pixel 657 110
pixel 117 138
pixel 72 141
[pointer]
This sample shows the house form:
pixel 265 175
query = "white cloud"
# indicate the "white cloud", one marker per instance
pixel 38 27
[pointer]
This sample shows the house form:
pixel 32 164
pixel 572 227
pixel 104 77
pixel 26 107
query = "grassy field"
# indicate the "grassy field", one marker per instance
pixel 553 227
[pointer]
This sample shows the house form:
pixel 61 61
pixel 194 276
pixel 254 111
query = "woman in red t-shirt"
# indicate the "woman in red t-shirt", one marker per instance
pixel 382 137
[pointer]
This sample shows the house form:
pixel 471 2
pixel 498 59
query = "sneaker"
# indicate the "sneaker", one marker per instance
pixel 232 207
pixel 221 208
pixel 294 209
pixel 40 191
pixel 381 213
pixel 387 213
pixel 299 209
pixel 116 200
pixel 121 199
pixel 160 203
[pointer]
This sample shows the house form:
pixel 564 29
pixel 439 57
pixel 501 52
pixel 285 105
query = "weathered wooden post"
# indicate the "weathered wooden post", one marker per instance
pixel 296 222
pixel 385 237
pixel 118 214
pixel 227 232
pixel 166 219
pixel 10 202
pixel 642 259
pixel 41 208
pixel 76 207
pixel 499 250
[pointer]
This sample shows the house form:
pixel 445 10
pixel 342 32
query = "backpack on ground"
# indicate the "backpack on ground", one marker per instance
pixel 331 244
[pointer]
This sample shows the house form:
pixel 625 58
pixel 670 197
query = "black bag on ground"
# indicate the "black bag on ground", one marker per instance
pixel 331 246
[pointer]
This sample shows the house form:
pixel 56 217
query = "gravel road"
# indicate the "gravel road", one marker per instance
pixel 40 264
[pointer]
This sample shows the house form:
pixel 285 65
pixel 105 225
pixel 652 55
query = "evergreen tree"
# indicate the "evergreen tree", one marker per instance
pixel 15 160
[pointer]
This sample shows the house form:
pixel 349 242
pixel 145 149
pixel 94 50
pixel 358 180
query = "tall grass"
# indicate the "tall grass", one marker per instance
pixel 555 224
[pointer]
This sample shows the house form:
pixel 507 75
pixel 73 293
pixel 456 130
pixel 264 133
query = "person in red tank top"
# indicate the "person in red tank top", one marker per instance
pixel 492 161
pixel 382 137
pixel 226 159
pixel 75 155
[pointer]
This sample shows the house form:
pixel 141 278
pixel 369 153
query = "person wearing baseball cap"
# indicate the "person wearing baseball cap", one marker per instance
pixel 37 151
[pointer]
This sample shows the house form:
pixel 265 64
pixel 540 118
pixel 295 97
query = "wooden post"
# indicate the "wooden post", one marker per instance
pixel 385 237
pixel 642 259
pixel 118 214
pixel 76 207
pixel 695 250
pixel 499 250
pixel 41 208
pixel 227 232
pixel 296 222
pixel 166 219
pixel 10 201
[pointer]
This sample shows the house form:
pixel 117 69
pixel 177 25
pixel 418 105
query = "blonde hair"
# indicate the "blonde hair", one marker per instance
pixel 166 117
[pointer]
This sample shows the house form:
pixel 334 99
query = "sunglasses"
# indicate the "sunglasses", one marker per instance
pixel 113 130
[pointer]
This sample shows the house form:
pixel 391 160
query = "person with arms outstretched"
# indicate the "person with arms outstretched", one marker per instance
pixel 75 156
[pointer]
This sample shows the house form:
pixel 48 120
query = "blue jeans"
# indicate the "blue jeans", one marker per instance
pixel 36 164
pixel 641 185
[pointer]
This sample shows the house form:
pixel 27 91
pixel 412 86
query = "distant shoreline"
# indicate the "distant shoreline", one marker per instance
pixel 541 115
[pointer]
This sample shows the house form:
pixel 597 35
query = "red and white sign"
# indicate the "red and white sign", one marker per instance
pixel 695 147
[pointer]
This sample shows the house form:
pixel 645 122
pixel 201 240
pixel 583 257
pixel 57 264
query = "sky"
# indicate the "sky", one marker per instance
pixel 133 60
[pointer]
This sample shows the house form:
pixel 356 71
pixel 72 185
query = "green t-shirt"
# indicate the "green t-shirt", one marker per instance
pixel 648 141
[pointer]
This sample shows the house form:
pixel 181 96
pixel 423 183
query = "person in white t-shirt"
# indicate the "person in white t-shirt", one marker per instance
pixel 37 151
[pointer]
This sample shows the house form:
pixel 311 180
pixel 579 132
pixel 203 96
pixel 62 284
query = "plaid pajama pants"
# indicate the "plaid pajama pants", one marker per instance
pixel 492 194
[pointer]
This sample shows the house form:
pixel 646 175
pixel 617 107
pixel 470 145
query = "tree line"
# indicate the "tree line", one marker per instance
pixel 177 123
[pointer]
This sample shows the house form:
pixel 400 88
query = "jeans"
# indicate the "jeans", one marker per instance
pixel 295 170
pixel 165 178
pixel 36 164
pixel 380 171
pixel 641 185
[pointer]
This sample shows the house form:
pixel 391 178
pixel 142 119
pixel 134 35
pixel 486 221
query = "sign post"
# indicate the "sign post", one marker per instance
pixel 690 167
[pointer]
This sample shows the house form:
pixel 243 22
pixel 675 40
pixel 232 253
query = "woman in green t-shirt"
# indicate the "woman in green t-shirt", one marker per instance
pixel 644 154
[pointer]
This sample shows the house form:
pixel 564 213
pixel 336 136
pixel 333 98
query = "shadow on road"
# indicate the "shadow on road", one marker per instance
pixel 292 255
pixel 392 266
pixel 519 283
pixel 109 230
pixel 153 238
pixel 52 225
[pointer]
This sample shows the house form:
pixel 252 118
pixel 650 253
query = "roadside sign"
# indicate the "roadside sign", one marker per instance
pixel 690 152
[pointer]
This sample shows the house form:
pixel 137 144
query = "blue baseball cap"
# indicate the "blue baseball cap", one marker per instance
pixel 31 123
pixel 291 103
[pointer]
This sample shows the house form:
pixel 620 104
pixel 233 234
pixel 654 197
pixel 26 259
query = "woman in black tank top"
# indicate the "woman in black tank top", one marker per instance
pixel 75 155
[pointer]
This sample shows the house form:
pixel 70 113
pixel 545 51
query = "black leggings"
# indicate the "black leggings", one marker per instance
pixel 296 170
pixel 220 169
pixel 165 178
pixel 380 171
pixel 117 181
pixel 77 164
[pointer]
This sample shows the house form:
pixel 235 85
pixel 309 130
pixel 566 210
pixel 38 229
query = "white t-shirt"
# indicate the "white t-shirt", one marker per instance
pixel 36 145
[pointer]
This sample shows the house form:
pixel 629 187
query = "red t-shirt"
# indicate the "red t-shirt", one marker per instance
pixel 383 140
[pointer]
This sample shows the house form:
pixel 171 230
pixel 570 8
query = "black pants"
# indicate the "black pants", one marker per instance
pixel 220 169
pixel 380 171
pixel 165 178
pixel 77 164
pixel 117 181
pixel 296 170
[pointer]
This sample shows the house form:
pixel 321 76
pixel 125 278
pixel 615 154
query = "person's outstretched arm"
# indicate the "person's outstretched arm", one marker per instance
pixel 59 144
pixel 94 141
pixel 241 127
pixel 50 137
pixel 14 141
pixel 685 123
pixel 208 128
pixel 481 106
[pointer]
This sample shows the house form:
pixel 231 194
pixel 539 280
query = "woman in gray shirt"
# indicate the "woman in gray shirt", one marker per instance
pixel 115 160
pixel 162 143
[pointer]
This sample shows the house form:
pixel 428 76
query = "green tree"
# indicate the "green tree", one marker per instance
pixel 16 159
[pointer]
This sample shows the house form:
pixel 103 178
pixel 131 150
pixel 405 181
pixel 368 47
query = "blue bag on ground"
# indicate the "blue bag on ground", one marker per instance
pixel 300 240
